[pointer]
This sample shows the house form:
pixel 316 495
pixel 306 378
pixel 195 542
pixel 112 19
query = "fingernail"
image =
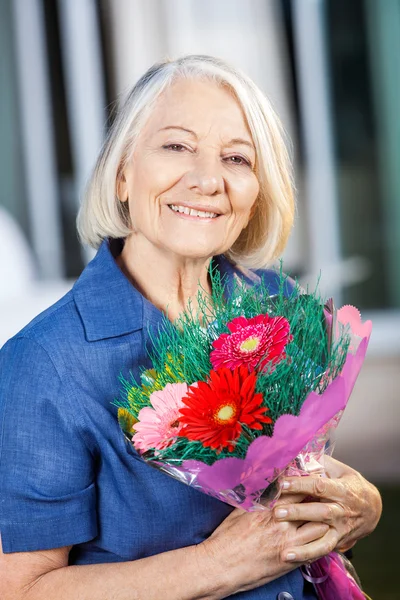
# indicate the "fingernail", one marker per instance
pixel 281 513
pixel 290 556
pixel 286 485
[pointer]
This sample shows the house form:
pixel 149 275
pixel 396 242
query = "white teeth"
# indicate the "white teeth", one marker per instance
pixel 192 212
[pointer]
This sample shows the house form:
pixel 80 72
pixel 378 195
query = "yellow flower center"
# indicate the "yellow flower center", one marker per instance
pixel 250 344
pixel 225 413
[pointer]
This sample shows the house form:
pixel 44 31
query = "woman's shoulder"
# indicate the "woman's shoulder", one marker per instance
pixel 272 278
pixel 52 341
pixel 56 323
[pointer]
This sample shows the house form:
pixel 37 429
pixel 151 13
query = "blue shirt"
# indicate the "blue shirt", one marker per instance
pixel 67 475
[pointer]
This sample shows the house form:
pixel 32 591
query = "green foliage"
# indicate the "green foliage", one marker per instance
pixel 183 449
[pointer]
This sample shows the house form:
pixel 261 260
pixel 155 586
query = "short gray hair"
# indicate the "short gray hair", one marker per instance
pixel 102 215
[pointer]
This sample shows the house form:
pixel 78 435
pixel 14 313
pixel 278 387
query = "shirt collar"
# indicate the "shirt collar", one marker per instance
pixel 110 306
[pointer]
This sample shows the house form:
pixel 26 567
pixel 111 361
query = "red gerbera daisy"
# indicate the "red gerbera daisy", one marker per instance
pixel 257 342
pixel 215 411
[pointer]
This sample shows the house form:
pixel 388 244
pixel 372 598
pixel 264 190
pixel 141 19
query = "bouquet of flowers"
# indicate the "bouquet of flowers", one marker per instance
pixel 247 389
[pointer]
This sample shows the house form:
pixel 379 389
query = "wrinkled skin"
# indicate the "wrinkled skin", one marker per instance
pixel 249 547
pixel 343 509
pixel 344 500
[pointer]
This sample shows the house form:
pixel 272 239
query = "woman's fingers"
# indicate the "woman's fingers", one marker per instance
pixel 313 550
pixel 336 469
pixel 349 504
pixel 325 512
pixel 309 533
pixel 316 486
pixel 290 499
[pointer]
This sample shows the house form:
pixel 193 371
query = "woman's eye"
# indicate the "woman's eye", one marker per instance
pixel 174 147
pixel 238 160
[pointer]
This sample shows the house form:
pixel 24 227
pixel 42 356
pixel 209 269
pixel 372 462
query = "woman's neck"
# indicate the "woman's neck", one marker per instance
pixel 166 280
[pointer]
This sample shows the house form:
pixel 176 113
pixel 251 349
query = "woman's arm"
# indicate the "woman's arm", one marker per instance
pixel 347 502
pixel 184 574
pixel 211 570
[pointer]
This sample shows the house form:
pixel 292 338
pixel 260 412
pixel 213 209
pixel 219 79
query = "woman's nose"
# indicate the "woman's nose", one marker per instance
pixel 205 178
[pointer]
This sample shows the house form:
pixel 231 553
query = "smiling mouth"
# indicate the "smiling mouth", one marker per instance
pixel 191 212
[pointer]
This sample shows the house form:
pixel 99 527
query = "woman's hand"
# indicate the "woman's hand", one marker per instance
pixel 249 547
pixel 345 501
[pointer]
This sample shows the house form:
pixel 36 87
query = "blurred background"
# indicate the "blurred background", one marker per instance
pixel 332 71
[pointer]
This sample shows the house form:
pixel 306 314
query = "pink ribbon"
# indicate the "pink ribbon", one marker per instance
pixel 306 571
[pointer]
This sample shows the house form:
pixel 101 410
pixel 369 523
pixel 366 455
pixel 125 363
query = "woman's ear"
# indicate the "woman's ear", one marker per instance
pixel 252 213
pixel 122 187
pixel 253 209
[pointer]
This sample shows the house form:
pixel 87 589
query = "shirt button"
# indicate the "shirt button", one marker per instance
pixel 284 596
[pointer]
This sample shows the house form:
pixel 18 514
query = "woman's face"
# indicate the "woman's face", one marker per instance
pixel 191 181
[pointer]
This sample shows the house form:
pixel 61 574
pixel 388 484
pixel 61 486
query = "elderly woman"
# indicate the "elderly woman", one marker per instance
pixel 194 170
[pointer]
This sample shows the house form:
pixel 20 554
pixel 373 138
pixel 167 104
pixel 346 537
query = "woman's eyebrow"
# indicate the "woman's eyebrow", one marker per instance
pixel 178 127
pixel 241 141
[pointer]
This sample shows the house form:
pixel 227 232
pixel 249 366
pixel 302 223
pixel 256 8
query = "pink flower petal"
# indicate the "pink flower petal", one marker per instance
pixel 255 342
pixel 158 425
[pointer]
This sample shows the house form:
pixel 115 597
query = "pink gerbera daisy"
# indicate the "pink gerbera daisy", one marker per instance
pixel 158 427
pixel 257 342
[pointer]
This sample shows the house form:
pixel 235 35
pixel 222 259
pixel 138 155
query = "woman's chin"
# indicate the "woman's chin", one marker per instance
pixel 193 251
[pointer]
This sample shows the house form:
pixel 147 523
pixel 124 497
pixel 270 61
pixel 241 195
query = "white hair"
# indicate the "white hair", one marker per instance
pixel 102 215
